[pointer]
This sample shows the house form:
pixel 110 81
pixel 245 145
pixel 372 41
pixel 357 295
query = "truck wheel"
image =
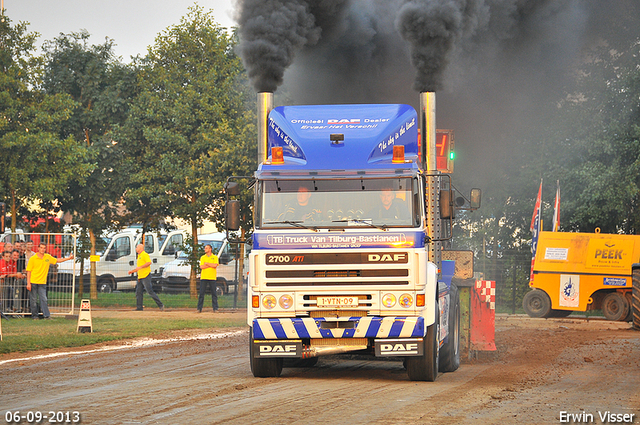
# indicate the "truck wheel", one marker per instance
pixel 425 367
pixel 615 306
pixel 635 304
pixel 629 298
pixel 105 286
pixel 263 368
pixel 450 351
pixel 537 303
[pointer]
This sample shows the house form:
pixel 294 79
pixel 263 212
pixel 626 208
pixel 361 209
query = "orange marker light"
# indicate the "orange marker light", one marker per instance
pixel 255 301
pixel 420 300
pixel 277 157
pixel 398 154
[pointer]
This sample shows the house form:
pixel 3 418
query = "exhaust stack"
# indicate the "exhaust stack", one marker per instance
pixel 428 155
pixel 265 105
pixel 428 131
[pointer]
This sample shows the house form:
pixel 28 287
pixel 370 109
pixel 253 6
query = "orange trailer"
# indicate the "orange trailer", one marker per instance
pixel 580 272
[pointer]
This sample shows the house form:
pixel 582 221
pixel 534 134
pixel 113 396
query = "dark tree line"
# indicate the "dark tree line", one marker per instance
pixel 115 144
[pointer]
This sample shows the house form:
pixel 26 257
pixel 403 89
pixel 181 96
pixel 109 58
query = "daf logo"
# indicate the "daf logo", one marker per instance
pixel 399 348
pixel 395 258
pixel 344 121
pixel 277 349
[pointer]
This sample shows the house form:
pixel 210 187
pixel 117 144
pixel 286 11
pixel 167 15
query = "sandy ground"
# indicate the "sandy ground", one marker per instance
pixel 543 371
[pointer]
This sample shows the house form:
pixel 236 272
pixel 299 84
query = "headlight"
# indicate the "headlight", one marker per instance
pixel 269 301
pixel 405 300
pixel 388 300
pixel 286 301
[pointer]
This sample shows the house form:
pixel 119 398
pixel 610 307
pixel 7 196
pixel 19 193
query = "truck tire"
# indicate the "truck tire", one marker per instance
pixel 537 303
pixel 106 285
pixel 263 368
pixel 221 286
pixel 450 351
pixel 615 306
pixel 629 297
pixel 635 304
pixel 425 367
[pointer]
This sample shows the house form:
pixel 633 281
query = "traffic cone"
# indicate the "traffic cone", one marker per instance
pixel 84 318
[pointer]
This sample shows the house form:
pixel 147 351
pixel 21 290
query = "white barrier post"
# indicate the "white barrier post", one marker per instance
pixel 84 318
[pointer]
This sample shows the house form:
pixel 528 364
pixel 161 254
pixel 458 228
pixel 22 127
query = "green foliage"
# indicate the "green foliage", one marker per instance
pixel 102 88
pixel 601 144
pixel 189 127
pixel 36 163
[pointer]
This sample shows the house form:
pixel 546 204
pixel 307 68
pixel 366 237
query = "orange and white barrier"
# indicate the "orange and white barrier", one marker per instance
pixel 483 316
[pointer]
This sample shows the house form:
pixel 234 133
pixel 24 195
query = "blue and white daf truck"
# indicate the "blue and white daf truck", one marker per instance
pixel 350 214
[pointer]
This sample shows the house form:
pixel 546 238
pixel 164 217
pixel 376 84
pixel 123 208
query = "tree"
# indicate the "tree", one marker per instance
pixel 102 88
pixel 189 126
pixel 36 163
pixel 601 144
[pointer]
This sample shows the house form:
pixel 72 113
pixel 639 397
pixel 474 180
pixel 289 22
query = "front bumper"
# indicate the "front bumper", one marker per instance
pixel 341 327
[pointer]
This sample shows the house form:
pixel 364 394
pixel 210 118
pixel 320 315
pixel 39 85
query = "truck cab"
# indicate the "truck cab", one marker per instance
pixel 346 246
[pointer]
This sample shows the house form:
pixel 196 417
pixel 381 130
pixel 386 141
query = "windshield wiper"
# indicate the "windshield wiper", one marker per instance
pixel 293 223
pixel 367 222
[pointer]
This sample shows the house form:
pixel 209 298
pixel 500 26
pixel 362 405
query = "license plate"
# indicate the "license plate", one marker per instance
pixel 337 302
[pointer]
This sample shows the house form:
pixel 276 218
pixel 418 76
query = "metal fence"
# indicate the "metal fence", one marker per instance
pixel 14 297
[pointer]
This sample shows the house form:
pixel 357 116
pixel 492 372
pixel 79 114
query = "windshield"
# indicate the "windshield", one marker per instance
pixel 382 203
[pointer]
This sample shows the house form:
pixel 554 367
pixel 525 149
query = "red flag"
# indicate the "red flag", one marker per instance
pixel 536 209
pixel 556 209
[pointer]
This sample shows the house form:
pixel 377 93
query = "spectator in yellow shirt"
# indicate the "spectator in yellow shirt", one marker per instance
pixel 144 279
pixel 37 271
pixel 208 276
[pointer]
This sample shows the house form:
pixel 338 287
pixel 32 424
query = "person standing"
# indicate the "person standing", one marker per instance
pixel 37 271
pixel 28 252
pixel 208 276
pixel 144 279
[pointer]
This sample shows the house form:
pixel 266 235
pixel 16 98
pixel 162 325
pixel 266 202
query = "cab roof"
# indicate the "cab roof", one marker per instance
pixel 342 137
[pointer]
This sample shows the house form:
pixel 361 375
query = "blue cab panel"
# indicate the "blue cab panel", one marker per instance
pixel 365 136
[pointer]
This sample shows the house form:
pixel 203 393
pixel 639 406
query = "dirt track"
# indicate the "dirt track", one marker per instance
pixel 541 368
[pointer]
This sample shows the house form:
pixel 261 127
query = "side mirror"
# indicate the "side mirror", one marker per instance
pixel 232 189
pixel 232 213
pixel 446 204
pixel 475 198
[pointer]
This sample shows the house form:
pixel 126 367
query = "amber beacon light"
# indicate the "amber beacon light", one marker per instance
pixel 277 156
pixel 398 154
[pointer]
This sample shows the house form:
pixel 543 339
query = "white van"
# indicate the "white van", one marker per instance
pixel 176 274
pixel 119 257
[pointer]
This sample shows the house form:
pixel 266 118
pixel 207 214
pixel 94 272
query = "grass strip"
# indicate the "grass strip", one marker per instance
pixel 22 335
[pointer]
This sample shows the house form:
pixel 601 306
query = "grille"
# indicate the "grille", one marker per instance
pixel 287 274
pixel 336 273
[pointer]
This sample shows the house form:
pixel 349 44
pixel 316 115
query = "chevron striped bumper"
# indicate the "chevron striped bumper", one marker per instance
pixel 347 327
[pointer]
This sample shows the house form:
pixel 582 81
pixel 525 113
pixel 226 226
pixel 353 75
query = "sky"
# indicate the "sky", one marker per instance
pixel 132 24
pixel 498 78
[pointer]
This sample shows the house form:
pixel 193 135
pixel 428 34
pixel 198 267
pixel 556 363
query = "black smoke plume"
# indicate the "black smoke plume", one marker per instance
pixel 272 31
pixel 499 66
